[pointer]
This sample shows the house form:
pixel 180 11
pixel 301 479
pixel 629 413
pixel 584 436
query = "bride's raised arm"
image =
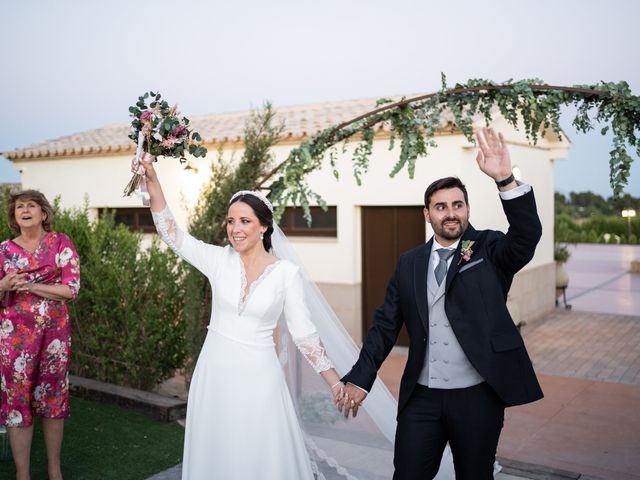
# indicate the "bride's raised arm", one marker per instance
pixel 165 223
pixel 201 255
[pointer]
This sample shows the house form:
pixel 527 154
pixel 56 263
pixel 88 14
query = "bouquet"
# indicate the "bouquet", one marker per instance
pixel 159 130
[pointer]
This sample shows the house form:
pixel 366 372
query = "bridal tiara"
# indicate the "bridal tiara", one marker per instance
pixel 261 196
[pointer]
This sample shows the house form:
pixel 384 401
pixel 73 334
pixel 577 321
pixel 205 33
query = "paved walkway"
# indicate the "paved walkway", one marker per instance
pixel 600 281
pixel 593 346
pixel 588 362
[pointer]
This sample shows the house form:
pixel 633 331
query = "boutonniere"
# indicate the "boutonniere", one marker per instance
pixel 466 251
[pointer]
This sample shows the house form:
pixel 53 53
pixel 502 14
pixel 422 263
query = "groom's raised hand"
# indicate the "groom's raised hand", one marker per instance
pixel 493 156
pixel 351 399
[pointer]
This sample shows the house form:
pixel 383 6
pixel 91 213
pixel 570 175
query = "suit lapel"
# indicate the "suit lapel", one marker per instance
pixel 420 265
pixel 469 234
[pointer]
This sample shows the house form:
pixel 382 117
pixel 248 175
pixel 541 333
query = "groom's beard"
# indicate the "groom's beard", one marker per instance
pixel 450 228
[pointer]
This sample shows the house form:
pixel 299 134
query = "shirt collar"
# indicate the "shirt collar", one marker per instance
pixel 436 245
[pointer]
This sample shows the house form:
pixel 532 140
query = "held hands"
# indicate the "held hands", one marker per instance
pixel 337 391
pixel 350 398
pixel 493 156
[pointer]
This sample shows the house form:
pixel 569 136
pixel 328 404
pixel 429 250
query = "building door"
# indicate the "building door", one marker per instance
pixel 386 233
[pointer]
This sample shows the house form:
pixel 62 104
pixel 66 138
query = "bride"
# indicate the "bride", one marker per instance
pixel 254 410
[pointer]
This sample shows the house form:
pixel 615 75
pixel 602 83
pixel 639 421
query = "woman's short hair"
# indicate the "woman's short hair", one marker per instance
pixel 30 195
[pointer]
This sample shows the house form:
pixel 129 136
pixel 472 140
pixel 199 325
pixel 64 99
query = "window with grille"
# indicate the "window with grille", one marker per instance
pixel 136 219
pixel 324 224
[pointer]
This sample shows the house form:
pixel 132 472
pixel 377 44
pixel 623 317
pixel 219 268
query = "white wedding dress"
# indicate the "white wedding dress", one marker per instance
pixel 241 421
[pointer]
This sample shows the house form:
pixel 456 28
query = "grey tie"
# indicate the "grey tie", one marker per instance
pixel 441 269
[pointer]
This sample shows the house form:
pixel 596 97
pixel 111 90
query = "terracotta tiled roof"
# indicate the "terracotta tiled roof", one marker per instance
pixel 300 121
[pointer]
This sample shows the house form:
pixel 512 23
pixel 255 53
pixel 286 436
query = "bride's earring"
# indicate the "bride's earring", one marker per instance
pixel 261 235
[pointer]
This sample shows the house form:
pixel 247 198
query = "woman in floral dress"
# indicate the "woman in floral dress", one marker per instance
pixel 39 273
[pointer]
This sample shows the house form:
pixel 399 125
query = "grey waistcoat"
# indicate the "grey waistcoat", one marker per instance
pixel 445 364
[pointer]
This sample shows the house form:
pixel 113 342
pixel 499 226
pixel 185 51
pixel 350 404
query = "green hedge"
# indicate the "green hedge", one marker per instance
pixel 594 230
pixel 127 323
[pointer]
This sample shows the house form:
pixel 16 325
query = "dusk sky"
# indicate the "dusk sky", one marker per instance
pixel 73 66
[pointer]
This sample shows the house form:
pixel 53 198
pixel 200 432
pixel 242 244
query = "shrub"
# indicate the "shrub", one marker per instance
pixel 127 322
pixel 593 230
pixel 561 252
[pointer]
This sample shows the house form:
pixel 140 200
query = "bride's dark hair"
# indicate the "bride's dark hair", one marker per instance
pixel 262 212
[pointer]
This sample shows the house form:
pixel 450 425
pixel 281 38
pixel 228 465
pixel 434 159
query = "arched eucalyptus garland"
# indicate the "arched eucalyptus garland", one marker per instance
pixel 415 121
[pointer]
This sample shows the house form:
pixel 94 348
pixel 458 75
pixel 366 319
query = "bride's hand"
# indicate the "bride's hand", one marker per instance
pixel 351 400
pixel 147 160
pixel 337 391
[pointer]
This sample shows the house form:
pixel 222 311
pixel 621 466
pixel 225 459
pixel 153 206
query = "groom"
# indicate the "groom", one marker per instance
pixel 467 361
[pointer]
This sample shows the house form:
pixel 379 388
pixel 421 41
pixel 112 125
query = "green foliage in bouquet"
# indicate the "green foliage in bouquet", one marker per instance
pixel 159 130
pixel 165 132
pixel 127 323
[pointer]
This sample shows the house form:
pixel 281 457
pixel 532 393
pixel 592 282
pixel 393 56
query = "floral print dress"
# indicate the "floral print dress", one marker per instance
pixel 35 334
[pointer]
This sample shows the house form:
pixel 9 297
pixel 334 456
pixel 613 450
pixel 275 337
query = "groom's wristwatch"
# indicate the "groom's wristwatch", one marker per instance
pixel 506 181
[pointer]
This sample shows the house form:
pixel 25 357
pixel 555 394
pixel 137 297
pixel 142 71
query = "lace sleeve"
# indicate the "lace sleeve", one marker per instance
pixel 205 257
pixel 313 350
pixel 303 331
pixel 168 229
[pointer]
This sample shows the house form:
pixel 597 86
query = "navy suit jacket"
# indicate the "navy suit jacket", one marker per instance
pixel 475 303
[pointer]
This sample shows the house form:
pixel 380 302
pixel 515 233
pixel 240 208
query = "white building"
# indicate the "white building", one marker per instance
pixel 353 250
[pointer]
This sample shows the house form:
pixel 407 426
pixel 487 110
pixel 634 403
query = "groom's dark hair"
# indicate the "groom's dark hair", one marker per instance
pixel 441 184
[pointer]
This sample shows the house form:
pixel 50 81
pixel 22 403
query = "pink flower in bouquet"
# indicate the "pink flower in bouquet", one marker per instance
pixel 146 117
pixel 182 131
